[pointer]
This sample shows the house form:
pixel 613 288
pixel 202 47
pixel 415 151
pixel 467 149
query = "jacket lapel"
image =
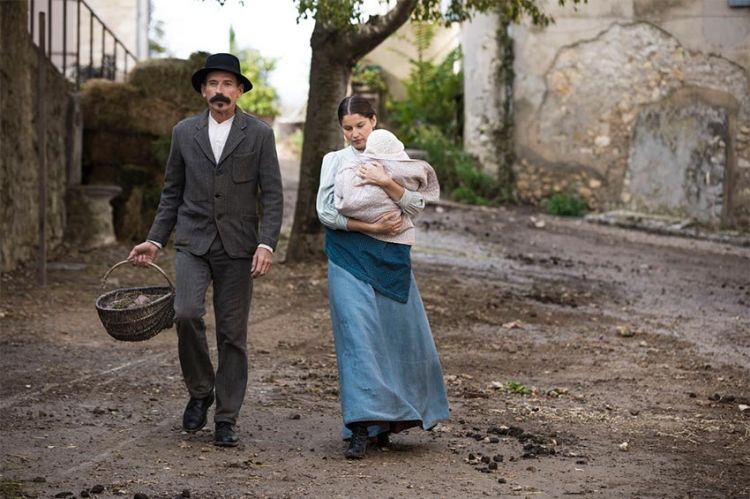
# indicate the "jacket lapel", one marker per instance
pixel 236 134
pixel 201 137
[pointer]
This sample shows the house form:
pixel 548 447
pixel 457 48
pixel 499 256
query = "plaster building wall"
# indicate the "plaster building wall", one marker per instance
pixel 639 104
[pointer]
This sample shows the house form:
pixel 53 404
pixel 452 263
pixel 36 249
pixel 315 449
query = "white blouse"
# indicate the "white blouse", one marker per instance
pixel 411 203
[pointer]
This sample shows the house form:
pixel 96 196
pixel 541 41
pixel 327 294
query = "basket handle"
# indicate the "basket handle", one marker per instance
pixel 151 264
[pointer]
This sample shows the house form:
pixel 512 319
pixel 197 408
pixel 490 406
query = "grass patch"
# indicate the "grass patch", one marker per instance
pixel 11 489
pixel 518 388
pixel 564 205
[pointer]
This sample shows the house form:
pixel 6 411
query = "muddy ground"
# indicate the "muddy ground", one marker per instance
pixel 580 360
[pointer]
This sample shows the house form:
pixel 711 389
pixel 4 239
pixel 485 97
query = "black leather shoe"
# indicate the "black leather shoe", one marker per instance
pixel 225 435
pixel 194 417
pixel 358 442
pixel 383 439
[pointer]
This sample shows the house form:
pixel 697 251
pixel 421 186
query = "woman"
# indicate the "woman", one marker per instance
pixel 389 371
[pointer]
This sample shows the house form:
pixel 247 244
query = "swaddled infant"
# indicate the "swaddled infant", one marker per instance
pixel 368 202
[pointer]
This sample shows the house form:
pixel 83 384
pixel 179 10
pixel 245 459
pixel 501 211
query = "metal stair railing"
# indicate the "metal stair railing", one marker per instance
pixel 79 44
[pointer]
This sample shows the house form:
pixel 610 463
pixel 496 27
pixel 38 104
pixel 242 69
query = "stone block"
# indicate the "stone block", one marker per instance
pixel 90 216
pixel 678 161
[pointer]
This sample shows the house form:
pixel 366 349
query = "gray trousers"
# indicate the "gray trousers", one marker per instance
pixel 232 292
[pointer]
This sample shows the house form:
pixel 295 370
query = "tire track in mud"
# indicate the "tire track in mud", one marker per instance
pixel 16 399
pixel 113 375
pixel 109 451
pixel 120 369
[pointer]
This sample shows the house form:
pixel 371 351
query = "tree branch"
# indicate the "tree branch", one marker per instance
pixel 369 35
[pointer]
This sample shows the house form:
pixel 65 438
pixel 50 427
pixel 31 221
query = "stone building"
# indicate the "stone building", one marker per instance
pixel 33 86
pixel 634 104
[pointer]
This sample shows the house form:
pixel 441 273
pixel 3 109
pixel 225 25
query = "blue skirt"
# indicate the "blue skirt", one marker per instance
pixel 389 370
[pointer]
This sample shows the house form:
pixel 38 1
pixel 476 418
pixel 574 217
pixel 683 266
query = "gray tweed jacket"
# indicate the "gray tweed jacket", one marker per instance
pixel 203 197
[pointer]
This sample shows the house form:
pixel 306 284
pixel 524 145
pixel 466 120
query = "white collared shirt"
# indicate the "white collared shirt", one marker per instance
pixel 217 135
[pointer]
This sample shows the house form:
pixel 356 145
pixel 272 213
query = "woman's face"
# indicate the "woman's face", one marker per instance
pixel 357 128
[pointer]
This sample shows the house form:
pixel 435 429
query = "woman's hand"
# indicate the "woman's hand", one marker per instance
pixel 373 173
pixel 389 224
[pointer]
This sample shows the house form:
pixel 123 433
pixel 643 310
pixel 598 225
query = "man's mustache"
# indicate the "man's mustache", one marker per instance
pixel 219 98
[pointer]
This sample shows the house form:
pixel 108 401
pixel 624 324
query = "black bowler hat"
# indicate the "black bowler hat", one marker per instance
pixel 220 62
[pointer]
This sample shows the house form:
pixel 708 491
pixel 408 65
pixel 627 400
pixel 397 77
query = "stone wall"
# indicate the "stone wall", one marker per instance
pixel 639 104
pixel 19 199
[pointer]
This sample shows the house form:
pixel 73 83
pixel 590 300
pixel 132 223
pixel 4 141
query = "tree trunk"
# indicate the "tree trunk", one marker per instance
pixel 328 80
pixel 334 52
pixel 505 133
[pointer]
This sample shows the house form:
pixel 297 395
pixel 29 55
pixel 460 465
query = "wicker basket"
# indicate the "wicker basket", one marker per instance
pixel 136 322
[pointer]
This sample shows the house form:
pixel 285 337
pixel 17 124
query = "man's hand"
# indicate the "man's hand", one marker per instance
pixel 143 254
pixel 262 260
pixel 389 224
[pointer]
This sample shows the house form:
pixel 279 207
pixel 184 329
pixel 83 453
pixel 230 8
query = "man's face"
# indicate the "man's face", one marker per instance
pixel 221 90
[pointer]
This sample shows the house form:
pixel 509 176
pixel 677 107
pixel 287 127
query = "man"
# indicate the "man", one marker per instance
pixel 221 163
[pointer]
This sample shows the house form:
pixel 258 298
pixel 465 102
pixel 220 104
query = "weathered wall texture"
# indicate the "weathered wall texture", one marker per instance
pixel 18 142
pixel 641 104
pixel 482 105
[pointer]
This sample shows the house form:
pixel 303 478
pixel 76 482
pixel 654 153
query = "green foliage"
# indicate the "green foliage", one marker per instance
pixel 429 119
pixel 296 141
pixel 433 98
pixel 368 75
pixel 340 13
pixel 460 176
pixel 347 13
pixel 519 388
pixel 262 100
pixel 11 489
pixel 160 150
pixel 564 205
pixel 156 39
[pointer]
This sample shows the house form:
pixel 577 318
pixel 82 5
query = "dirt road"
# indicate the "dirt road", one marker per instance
pixel 579 359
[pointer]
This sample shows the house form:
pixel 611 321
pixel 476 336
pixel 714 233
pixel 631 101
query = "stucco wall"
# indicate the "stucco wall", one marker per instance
pixel 586 85
pixel 18 142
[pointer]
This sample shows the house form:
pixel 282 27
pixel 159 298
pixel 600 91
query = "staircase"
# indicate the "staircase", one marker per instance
pixel 79 44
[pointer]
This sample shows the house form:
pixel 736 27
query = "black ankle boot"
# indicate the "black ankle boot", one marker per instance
pixel 383 439
pixel 358 442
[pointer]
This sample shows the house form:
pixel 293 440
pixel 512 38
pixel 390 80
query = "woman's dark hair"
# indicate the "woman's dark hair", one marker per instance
pixel 355 104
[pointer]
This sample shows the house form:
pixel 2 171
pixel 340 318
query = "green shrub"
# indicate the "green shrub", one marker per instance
pixel 460 176
pixel 433 97
pixel 564 205
pixel 160 150
pixel 262 100
pixel 431 119
pixel 368 75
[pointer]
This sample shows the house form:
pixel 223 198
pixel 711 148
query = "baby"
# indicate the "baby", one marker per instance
pixel 370 202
